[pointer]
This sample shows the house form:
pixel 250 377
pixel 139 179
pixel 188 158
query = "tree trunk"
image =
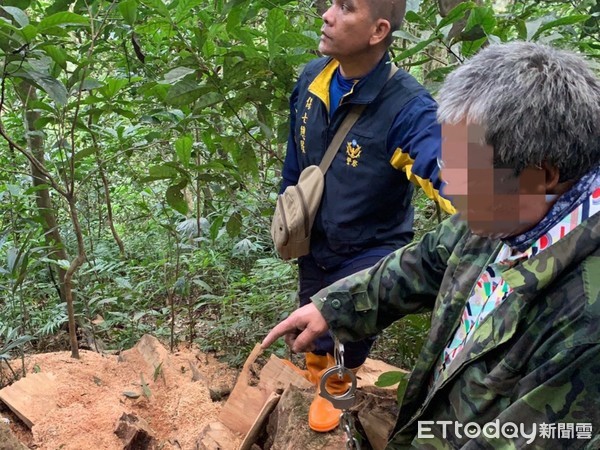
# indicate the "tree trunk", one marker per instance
pixel 75 265
pixel 36 148
pixel 43 201
pixel 198 195
pixel 109 212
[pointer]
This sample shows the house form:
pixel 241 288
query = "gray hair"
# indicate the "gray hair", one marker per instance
pixel 536 103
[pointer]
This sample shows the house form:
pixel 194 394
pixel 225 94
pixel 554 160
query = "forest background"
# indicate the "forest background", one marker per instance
pixel 141 143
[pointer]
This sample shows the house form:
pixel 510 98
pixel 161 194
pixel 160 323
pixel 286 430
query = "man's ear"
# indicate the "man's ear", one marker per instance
pixel 381 31
pixel 552 176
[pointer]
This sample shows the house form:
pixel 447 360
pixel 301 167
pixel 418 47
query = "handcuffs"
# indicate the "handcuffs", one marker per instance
pixel 344 401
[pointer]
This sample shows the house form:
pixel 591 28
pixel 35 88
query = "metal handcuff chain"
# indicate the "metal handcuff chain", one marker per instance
pixel 344 401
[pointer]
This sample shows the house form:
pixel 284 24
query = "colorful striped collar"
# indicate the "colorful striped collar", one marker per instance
pixel 565 203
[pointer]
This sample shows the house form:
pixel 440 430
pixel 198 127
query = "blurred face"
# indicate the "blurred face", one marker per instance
pixel 493 201
pixel 347 29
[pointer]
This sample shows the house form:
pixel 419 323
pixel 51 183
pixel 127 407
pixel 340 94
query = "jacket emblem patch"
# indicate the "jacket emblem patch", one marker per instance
pixel 353 151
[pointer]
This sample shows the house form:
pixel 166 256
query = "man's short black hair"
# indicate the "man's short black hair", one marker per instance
pixel 391 10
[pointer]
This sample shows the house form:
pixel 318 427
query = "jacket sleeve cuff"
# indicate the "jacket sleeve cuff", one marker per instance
pixel 350 316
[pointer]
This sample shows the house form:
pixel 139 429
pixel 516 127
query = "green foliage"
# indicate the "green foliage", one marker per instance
pixel 436 45
pixel 259 296
pixel 11 341
pixel 175 113
pixel 145 388
pixel 387 379
pixel 390 378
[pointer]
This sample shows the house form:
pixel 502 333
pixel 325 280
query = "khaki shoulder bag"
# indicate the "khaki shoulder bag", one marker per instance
pixel 297 207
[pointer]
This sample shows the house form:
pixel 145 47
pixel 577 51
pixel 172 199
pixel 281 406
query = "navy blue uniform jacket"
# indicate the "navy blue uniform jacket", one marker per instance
pixel 367 198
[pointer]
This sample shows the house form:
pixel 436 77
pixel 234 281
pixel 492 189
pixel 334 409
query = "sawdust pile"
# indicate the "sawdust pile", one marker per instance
pixel 94 391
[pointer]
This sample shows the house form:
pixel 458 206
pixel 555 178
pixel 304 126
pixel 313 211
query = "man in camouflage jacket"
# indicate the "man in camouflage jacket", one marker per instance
pixel 512 359
pixel 534 360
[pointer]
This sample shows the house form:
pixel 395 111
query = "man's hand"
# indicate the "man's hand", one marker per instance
pixel 300 329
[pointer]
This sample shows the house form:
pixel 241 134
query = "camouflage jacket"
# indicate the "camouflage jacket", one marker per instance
pixel 535 360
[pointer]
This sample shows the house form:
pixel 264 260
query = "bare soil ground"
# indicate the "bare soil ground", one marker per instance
pixel 91 398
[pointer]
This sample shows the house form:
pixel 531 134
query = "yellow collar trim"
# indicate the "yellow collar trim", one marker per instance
pixel 320 85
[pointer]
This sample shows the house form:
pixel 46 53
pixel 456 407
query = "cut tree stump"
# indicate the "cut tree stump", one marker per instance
pixel 257 426
pixel 374 416
pixel 288 425
pixel 246 400
pixel 32 397
pixel 216 436
pixel 254 397
pixel 154 354
pixel 376 409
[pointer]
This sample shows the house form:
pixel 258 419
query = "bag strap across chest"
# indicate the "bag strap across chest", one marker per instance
pixel 344 128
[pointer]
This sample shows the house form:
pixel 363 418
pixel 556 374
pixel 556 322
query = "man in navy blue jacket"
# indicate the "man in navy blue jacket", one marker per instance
pixel 366 210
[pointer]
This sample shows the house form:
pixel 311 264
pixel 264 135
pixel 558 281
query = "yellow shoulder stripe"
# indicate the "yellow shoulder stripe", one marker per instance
pixel 320 85
pixel 403 161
